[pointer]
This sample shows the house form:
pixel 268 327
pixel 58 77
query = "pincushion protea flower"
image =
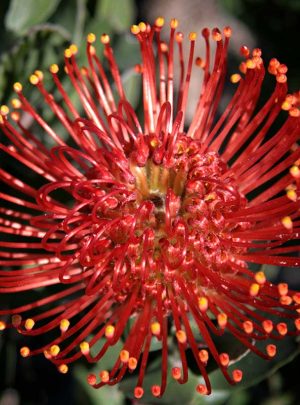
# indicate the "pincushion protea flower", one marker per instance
pixel 150 225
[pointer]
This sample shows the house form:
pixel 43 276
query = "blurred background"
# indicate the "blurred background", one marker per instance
pixel 33 35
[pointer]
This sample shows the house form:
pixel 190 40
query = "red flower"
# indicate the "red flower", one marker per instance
pixel 152 222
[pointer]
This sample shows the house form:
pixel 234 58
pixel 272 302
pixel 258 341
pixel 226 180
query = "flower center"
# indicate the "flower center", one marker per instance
pixel 174 217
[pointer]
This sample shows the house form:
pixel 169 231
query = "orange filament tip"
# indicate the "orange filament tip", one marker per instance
pixel 201 389
pixel 91 38
pixel 2 325
pixel 181 336
pixel 268 326
pixel 4 110
pixel 17 87
pixel 254 289
pixel 176 373
pixel 138 392
pixel 227 32
pixel 235 78
pixel 25 351
pixel 54 350
pixel 132 363
pixel 124 356
pixel 39 74
pixel 282 328
pixel 1 120
pixel 294 112
pixel 283 288
pixel 16 103
pixel 142 27
pixel 245 51
pixel 291 195
pixel 68 53
pixel 91 379
pixel 205 32
pixel 164 47
pixel 174 23
pixel 192 36
pixel 155 328
pixel 224 359
pixel 73 48
pixel 296 298
pixel 29 324
pixel 295 172
pixel 271 350
pixel 16 320
pixel 159 22
pixel 281 78
pixel 243 67
pixel 135 30
pixel 274 63
pixel 105 39
pixel 203 304
pixel 64 325
pixel 200 62
pixel 250 64
pixel 138 68
pixel 286 106
pixel 203 356
pixel 248 327
pixel 179 37
pixel 15 116
pixel 34 79
pixel 222 320
pixel 286 300
pixel 260 277
pixel 84 347
pixel 237 375
pixel 54 68
pixel 47 354
pixel 63 368
pixel 216 35
pixel 297 323
pixel 104 375
pixel 155 389
pixel 287 222
pixel 109 331
pixel 154 143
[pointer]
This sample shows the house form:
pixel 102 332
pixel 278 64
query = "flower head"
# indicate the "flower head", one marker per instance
pixel 151 224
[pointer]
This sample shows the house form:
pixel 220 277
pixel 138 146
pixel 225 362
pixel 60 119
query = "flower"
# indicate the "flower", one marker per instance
pixel 143 226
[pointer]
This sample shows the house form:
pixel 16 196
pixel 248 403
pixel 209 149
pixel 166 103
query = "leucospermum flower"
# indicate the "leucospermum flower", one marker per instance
pixel 149 225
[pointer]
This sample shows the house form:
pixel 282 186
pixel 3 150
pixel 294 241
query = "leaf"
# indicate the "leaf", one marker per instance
pixel 175 394
pixel 256 369
pixel 105 395
pixel 28 55
pixel 73 19
pixel 22 14
pixel 118 13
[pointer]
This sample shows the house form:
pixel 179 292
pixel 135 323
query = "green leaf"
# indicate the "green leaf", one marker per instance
pixel 256 369
pixel 22 14
pixel 105 395
pixel 28 55
pixel 73 19
pixel 118 13
pixel 175 394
